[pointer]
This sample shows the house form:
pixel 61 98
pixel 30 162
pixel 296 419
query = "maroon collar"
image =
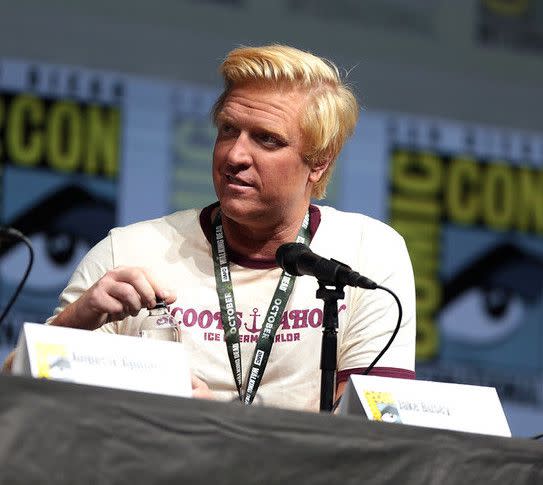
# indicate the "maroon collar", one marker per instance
pixel 205 223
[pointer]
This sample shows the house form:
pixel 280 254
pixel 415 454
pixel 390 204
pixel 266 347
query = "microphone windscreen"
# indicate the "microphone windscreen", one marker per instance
pixel 288 255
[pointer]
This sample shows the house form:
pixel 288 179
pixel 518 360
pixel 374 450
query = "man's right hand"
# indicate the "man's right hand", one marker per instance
pixel 121 292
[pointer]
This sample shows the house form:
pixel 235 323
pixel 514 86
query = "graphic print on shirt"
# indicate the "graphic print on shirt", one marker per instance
pixel 207 322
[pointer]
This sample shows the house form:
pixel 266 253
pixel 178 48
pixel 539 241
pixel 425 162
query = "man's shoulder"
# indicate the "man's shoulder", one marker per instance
pixel 357 225
pixel 176 222
pixel 152 239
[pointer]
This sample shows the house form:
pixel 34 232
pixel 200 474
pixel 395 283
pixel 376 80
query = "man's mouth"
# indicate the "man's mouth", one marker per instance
pixel 236 181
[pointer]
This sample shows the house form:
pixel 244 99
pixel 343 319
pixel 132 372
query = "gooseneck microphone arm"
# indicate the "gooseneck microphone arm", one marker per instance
pixel 298 260
pixel 11 233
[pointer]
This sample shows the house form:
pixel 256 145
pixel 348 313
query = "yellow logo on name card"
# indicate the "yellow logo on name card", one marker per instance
pixel 383 406
pixel 52 360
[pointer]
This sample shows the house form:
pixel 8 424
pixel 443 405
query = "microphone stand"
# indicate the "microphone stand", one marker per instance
pixel 330 295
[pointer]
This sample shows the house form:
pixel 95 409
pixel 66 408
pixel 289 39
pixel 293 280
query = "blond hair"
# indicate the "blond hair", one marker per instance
pixel 331 112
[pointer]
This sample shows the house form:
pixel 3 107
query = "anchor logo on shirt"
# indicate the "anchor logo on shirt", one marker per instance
pixel 254 328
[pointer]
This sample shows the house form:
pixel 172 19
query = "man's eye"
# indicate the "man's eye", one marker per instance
pixel 270 140
pixel 226 129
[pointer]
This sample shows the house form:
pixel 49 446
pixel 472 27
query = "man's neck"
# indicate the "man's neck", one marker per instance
pixel 259 241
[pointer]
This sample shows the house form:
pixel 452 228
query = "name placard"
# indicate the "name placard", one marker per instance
pixel 102 359
pixel 458 407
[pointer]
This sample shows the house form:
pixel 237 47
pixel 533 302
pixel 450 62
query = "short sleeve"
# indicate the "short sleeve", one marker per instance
pixel 374 313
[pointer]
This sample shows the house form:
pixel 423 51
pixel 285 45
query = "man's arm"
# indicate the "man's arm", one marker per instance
pixel 99 292
pixel 340 389
pixel 120 293
pixel 375 315
pixel 8 363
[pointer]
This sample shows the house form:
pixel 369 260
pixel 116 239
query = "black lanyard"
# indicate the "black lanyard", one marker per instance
pixel 227 304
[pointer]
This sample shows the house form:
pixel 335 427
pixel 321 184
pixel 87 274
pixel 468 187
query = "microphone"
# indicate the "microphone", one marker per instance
pixel 297 259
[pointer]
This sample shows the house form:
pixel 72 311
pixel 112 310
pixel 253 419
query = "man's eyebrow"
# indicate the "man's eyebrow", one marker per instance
pixel 222 117
pixel 280 134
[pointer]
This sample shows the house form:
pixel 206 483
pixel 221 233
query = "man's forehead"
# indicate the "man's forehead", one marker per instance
pixel 269 102
pixel 279 85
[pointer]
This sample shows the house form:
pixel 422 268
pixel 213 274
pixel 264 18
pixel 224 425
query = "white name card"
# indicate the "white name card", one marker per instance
pixel 102 359
pixel 459 407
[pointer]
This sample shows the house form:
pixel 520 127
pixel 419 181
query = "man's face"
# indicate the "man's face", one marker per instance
pixel 258 169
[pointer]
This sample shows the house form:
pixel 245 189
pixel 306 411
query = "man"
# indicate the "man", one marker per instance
pixel 281 122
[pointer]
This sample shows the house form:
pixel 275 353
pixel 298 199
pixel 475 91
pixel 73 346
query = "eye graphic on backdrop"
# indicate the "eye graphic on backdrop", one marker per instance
pixel 51 268
pixel 487 301
pixel 62 227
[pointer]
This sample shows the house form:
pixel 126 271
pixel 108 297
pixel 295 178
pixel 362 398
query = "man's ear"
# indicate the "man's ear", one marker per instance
pixel 318 169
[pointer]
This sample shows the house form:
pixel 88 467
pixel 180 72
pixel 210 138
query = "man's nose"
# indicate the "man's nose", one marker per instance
pixel 240 153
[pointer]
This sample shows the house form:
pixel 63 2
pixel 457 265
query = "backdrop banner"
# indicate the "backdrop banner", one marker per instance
pixel 82 151
pixel 468 199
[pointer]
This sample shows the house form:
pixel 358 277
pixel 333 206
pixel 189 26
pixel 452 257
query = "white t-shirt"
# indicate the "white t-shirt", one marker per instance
pixel 176 248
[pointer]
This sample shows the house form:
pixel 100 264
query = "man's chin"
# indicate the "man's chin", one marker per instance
pixel 241 211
